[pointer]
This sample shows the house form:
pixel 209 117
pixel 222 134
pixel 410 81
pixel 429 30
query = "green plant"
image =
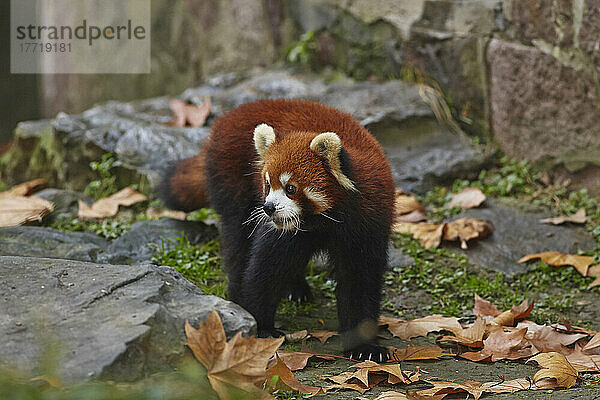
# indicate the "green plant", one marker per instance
pixel 203 214
pixel 302 51
pixel 109 228
pixel 107 182
pixel 201 264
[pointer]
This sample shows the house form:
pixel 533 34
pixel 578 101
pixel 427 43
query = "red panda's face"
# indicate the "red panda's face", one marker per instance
pixel 298 180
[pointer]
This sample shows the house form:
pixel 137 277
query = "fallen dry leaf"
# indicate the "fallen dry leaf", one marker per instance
pixel 593 346
pixel 109 206
pixel 484 308
pixel 446 388
pixel 343 382
pixel 546 339
pixel 405 204
pixel 469 197
pixel 189 114
pixel 391 395
pixel 429 235
pixel 501 344
pixel 413 216
pixel 322 335
pixel 516 385
pixel 369 373
pixel 286 376
pixel 296 336
pixel 155 213
pixel 465 229
pixel 471 336
pixel 297 360
pixel 23 189
pixel 581 263
pixel 594 271
pixel 578 218
pixel 421 326
pixel 417 353
pixel 556 367
pixel 582 361
pixel 237 364
pixel 17 210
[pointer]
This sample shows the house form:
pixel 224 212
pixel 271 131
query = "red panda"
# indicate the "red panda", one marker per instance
pixel 290 179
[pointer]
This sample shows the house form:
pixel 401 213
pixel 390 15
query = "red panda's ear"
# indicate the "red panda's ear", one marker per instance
pixel 264 136
pixel 329 146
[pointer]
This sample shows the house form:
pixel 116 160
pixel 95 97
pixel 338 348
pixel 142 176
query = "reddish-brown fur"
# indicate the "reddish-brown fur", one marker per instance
pixel 264 265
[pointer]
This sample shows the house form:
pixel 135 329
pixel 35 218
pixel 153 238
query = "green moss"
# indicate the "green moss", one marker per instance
pixel 203 214
pixel 201 264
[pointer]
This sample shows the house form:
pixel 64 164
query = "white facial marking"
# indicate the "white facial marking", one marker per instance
pixel 318 199
pixel 287 212
pixel 267 177
pixel 284 178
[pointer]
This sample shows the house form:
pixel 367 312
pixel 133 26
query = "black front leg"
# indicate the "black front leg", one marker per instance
pixel 359 274
pixel 276 261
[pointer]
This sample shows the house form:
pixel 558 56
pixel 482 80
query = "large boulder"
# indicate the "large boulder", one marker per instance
pixel 118 322
pixel 139 243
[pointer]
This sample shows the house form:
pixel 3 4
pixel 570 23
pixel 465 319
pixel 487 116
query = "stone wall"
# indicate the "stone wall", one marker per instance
pixel 521 73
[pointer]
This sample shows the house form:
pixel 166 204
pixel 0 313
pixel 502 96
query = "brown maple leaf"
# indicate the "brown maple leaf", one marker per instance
pixel 235 365
pixel 546 339
pixel 420 326
pixel 17 210
pixel 109 206
pixel 465 229
pixel 471 336
pixel 516 385
pixel 484 308
pixel 155 213
pixel 502 344
pixel 469 197
pixel 582 361
pixel 322 335
pixel 405 204
pixel 417 353
pixel 581 263
pixel 555 367
pixel 446 388
pixel 289 381
pixel 296 360
pixel 429 235
pixel 189 114
pixel 578 218
pixel 24 189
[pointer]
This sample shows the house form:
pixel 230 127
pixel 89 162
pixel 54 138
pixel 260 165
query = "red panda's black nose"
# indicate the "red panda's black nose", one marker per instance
pixel 269 208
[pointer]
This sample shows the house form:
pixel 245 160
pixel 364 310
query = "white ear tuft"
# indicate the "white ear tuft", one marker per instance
pixel 329 146
pixel 264 136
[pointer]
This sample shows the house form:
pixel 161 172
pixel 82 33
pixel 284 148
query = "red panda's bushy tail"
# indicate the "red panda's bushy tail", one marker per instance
pixel 182 187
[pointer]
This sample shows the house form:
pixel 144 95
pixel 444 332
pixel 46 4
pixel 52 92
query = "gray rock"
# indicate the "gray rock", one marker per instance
pixel 561 129
pixel 31 241
pixel 117 322
pixel 423 154
pixel 518 232
pixel 397 258
pixel 137 132
pixel 65 201
pixel 136 245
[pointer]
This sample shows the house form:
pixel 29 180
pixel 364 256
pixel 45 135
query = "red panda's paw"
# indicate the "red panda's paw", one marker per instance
pixel 300 292
pixel 265 333
pixel 368 351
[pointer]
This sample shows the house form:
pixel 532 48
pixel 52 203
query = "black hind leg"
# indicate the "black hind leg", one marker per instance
pixel 359 275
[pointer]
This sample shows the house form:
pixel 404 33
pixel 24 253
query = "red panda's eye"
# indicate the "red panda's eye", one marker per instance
pixel 290 189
